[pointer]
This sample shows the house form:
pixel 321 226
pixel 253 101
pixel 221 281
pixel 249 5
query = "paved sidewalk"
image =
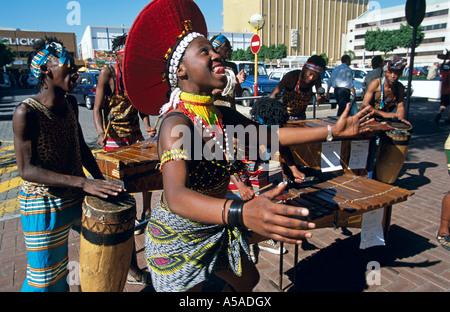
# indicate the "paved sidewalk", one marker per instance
pixel 412 261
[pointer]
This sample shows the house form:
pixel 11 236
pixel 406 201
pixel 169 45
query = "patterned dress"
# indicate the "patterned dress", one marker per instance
pixel 48 212
pixel 124 128
pixel 297 99
pixel 182 253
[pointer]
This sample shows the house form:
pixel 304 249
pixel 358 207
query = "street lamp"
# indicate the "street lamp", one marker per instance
pixel 256 22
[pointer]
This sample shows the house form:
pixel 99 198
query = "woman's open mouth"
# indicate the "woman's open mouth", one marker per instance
pixel 219 70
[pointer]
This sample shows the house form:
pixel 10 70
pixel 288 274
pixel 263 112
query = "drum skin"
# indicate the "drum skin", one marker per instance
pixel 107 242
pixel 392 152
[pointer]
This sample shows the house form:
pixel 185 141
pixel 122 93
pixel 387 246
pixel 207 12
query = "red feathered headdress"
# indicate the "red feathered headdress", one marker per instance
pixel 157 37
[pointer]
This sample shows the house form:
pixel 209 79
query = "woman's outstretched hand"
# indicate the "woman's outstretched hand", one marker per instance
pixel 277 221
pixel 351 126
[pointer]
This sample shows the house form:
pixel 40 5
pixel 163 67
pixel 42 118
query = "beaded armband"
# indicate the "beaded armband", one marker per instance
pixel 171 155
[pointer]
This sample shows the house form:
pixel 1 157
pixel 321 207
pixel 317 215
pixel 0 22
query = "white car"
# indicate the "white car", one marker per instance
pixel 278 73
pixel 360 73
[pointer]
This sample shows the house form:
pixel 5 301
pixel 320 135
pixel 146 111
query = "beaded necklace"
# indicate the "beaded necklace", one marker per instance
pixel 200 108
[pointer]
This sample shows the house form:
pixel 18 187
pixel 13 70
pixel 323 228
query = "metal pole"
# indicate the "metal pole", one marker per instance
pixel 256 74
pixel 411 69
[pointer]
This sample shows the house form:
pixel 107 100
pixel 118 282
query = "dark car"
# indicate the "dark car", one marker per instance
pixel 265 85
pixel 86 88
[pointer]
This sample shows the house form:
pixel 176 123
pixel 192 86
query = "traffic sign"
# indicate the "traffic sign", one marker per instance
pixel 255 43
pixel 415 12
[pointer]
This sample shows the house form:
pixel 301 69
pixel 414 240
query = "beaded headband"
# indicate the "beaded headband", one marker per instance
pixel 174 59
pixel 314 67
pixel 221 39
pixel 120 49
pixel 42 57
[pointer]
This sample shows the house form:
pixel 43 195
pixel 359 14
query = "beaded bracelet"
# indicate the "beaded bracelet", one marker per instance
pixel 170 155
pixel 235 213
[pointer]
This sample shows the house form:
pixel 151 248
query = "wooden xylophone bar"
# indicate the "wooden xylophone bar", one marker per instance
pixel 341 202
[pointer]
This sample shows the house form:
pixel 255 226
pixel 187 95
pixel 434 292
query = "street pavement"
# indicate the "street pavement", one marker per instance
pixel 411 261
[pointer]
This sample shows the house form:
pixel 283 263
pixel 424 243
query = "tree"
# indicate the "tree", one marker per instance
pixel 404 36
pixel 386 41
pixel 380 40
pixel 6 55
pixel 280 51
pixel 370 40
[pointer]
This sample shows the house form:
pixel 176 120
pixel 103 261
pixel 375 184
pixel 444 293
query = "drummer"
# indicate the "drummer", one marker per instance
pixel 386 95
pixel 122 129
pixel 50 154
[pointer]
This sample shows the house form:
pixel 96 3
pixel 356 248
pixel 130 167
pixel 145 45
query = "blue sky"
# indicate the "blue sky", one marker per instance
pixel 51 15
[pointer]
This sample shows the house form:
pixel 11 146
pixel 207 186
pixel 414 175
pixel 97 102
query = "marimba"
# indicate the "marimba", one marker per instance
pixel 134 166
pixel 342 202
pixel 311 155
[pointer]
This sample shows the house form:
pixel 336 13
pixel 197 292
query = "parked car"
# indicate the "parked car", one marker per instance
pixel 86 88
pixel 5 83
pixel 359 89
pixel 278 73
pixel 27 80
pixel 265 85
pixel 360 73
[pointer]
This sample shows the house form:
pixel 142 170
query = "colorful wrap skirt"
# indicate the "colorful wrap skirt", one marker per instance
pixel 46 223
pixel 182 253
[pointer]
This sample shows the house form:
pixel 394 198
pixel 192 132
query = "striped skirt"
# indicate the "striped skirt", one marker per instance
pixel 114 143
pixel 46 223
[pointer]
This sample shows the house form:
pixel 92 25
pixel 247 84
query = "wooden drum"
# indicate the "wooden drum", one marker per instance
pixel 107 243
pixel 392 153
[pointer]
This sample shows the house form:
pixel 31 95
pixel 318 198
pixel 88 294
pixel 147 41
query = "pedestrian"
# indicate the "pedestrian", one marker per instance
pixel 223 47
pixel 342 81
pixel 51 153
pixel 297 87
pixel 433 71
pixel 386 95
pixel 445 87
pixel 117 124
pixel 376 73
pixel 443 234
pixel 194 232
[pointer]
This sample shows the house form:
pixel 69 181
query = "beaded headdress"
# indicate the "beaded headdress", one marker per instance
pixel 155 46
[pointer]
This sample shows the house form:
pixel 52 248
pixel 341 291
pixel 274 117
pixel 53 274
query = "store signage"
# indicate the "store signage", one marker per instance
pixel 19 41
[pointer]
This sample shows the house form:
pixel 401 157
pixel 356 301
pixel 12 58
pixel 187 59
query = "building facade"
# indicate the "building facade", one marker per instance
pixel 435 27
pixel 21 41
pixel 99 39
pixel 306 27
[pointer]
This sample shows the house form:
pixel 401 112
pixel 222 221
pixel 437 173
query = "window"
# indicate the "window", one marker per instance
pixel 435 27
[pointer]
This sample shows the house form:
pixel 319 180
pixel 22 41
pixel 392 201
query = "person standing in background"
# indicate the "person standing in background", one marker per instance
pixel 342 81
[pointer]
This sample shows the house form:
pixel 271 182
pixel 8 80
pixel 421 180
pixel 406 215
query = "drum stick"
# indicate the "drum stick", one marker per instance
pixel 157 121
pixel 107 129
pixel 275 182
